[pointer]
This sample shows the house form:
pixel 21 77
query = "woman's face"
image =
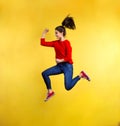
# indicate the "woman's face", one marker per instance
pixel 58 34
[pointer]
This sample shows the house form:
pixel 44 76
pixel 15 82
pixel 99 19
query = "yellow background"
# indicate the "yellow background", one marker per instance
pixel 96 49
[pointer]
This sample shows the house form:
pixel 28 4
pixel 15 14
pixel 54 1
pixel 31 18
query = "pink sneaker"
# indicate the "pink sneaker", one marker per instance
pixel 84 75
pixel 49 95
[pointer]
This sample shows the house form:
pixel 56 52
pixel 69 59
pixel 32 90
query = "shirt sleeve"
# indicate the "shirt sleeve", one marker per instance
pixel 68 55
pixel 44 43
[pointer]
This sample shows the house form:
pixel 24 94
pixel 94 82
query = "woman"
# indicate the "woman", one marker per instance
pixel 63 55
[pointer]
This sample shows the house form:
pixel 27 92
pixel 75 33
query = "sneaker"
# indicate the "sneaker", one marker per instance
pixel 84 75
pixel 49 95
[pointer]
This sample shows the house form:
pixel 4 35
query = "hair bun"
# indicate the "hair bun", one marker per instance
pixel 68 22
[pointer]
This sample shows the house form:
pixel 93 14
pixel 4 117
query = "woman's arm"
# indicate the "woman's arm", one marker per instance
pixel 42 40
pixel 68 56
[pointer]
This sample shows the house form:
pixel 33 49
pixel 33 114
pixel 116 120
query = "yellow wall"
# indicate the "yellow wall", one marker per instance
pixel 96 49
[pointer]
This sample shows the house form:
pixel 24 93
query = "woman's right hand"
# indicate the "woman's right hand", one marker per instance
pixel 44 32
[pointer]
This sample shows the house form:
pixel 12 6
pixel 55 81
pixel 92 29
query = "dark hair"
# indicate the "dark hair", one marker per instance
pixel 68 22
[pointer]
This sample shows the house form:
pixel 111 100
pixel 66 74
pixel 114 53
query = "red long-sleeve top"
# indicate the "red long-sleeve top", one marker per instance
pixel 63 49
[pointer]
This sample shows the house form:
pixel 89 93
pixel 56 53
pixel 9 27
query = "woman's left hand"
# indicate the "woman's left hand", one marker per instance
pixel 59 60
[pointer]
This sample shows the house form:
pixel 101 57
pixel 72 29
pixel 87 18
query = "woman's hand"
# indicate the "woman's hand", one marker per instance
pixel 44 33
pixel 59 60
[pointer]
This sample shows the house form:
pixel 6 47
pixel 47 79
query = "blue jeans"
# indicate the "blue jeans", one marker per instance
pixel 66 69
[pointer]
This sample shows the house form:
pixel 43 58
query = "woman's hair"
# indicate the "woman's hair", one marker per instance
pixel 68 22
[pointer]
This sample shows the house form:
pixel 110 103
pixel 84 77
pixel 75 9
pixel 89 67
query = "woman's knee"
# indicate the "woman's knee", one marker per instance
pixel 67 88
pixel 43 73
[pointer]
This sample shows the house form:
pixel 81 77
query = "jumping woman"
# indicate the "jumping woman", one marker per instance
pixel 63 57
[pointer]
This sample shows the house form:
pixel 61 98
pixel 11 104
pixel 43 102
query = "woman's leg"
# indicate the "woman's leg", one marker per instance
pixel 68 76
pixel 51 71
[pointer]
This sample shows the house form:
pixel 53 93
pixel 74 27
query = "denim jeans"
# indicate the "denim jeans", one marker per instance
pixel 66 69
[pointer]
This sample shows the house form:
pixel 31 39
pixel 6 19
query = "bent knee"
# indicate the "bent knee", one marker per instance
pixel 67 88
pixel 43 73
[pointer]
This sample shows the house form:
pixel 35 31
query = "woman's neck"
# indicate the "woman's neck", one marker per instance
pixel 62 39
